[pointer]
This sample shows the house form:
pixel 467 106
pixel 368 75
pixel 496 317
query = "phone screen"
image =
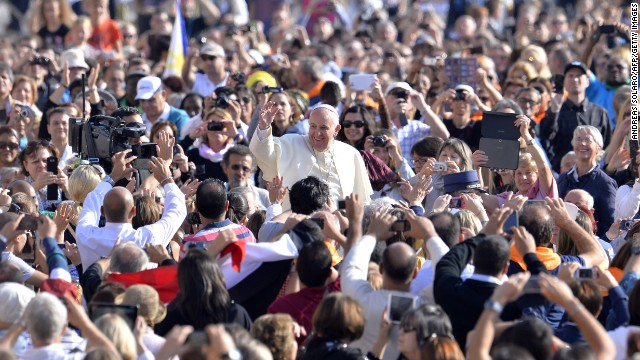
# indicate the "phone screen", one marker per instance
pixel 398 306
pixel 511 222
pixel 558 83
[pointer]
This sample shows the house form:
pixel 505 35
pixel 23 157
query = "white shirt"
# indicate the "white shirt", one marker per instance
pixel 204 86
pixel 627 201
pixel 50 352
pixel 66 158
pixel 163 116
pixel 353 275
pixel 95 242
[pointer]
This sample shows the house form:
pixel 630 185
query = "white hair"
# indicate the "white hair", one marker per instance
pixel 45 317
pixel 592 131
pixel 585 195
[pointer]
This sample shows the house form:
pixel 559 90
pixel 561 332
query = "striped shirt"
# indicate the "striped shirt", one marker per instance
pixel 209 233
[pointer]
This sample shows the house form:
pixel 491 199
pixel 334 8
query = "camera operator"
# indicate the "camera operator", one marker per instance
pixel 116 203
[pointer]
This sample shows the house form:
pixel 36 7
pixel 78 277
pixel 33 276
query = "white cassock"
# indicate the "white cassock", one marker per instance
pixel 292 157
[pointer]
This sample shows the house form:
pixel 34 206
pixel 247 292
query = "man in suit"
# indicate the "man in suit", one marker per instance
pixel 464 300
pixel 296 157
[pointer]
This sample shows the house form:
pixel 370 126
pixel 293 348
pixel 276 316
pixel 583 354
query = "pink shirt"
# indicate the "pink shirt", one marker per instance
pixel 536 192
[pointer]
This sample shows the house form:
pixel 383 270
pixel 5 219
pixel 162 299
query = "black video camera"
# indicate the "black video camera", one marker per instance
pixel 271 90
pixel 100 137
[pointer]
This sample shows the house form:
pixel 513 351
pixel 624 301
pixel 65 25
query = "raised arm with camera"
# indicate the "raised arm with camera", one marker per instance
pixel 116 203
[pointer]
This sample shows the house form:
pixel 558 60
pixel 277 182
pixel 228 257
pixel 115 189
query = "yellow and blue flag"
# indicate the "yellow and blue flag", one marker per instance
pixel 178 47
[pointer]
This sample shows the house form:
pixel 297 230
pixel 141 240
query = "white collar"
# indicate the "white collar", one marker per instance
pixel 485 278
pixel 574 171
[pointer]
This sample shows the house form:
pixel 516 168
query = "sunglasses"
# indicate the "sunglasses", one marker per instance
pixel 207 57
pixel 236 167
pixel 358 124
pixel 9 145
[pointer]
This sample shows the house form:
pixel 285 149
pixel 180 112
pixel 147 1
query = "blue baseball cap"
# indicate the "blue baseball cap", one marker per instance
pixel 466 180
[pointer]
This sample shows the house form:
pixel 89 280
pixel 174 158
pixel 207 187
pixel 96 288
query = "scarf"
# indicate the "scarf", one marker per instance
pixel 550 259
pixel 206 152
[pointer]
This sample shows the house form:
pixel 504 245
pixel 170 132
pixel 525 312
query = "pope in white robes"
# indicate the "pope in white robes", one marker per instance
pixel 295 157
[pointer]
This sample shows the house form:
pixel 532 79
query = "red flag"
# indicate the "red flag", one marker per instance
pixel 164 279
pixel 238 251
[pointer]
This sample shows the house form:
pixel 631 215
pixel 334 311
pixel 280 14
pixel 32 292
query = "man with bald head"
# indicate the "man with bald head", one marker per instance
pixel 398 269
pixel 117 206
pixel 296 157
pixel 584 201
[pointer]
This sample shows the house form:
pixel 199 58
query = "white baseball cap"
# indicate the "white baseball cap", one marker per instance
pixel 74 58
pixel 147 86
pixel 398 85
pixel 212 49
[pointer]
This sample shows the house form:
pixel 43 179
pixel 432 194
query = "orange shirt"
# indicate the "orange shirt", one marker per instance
pixel 105 36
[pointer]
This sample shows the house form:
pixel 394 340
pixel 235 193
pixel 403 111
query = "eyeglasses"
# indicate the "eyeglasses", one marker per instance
pixel 419 161
pixel 236 167
pixel 207 57
pixel 586 141
pixel 358 124
pixel 529 102
pixel 127 36
pixel 9 145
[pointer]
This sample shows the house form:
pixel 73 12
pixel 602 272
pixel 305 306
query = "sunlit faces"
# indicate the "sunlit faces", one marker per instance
pixel 282 118
pixel 354 126
pixel 9 147
pixel 37 163
pixel 154 106
pixel 23 92
pixel 449 154
pixel 167 129
pixel 58 127
pixel 323 127
pixel 585 147
pixel 18 122
pixel 575 81
pixel 238 170
pixel 216 139
pixel 525 177
pixel 5 84
pixel 419 161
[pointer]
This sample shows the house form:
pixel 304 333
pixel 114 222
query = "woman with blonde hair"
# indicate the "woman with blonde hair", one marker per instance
pixel 25 91
pixel 127 342
pixel 523 70
pixel 217 134
pixel 151 309
pixel 51 21
pixel 537 56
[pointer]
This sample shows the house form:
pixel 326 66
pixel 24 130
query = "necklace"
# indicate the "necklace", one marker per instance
pixel 325 168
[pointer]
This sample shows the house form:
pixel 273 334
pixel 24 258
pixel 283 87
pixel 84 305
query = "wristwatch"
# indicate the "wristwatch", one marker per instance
pixel 108 179
pixel 231 355
pixel 493 305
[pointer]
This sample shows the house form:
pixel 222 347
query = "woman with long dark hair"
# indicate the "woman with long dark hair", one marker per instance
pixel 356 124
pixel 203 297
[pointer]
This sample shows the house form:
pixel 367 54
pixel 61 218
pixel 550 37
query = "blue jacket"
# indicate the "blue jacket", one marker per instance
pixel 601 187
pixel 178 117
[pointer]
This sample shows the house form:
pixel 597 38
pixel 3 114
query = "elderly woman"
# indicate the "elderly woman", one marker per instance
pixel 218 134
pixel 587 175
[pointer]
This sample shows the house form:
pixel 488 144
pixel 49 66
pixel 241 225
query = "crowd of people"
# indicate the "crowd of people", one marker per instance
pixel 318 181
